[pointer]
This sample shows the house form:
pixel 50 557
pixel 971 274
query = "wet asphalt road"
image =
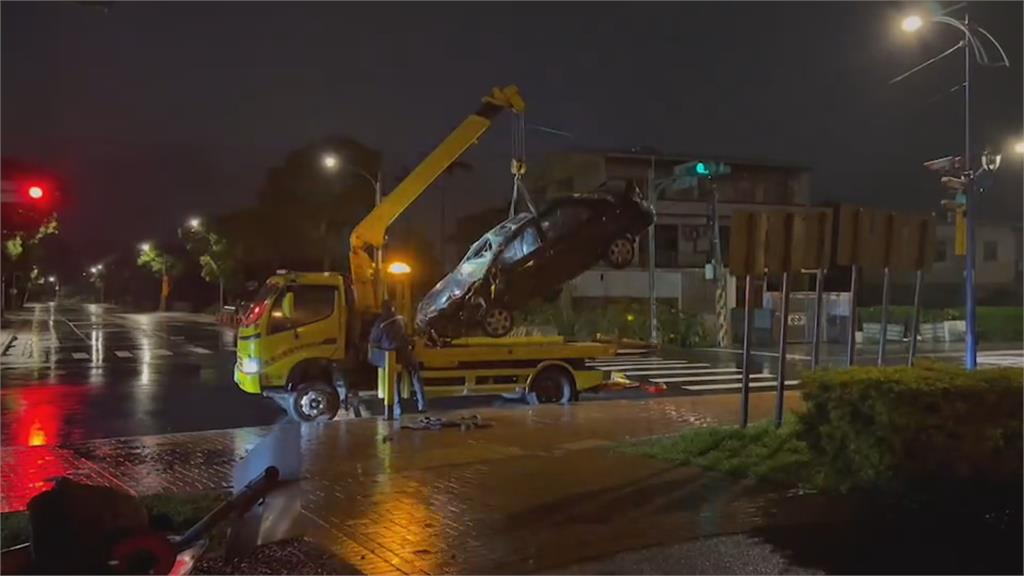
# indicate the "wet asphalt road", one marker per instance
pixel 78 373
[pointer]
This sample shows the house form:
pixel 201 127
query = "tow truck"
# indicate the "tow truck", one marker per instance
pixel 304 340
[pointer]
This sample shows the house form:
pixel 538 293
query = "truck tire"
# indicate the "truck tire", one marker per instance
pixel 553 386
pixel 620 253
pixel 314 401
pixel 496 321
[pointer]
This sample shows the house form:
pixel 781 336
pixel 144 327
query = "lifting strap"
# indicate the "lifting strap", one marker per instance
pixel 519 167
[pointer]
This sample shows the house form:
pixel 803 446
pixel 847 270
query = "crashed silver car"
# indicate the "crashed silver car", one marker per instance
pixel 528 257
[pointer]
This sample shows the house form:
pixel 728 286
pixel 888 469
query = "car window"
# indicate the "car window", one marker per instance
pixel 312 304
pixel 524 244
pixel 481 249
pixel 563 220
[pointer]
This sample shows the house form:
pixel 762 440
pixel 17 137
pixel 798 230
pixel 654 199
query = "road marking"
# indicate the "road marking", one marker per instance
pixel 676 365
pixel 621 360
pixel 698 371
pixel 737 386
pixel 707 378
pixel 122 354
pixel 80 355
pixel 161 352
pixel 753 353
pixel 199 350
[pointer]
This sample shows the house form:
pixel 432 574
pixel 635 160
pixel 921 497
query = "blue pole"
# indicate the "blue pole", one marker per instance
pixel 971 360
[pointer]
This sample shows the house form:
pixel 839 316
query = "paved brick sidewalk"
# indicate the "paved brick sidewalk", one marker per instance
pixel 542 488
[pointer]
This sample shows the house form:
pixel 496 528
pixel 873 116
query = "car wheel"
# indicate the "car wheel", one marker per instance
pixel 314 401
pixel 552 386
pixel 497 321
pixel 620 253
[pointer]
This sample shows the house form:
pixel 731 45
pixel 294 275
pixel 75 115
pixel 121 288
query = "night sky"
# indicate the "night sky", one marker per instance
pixel 151 112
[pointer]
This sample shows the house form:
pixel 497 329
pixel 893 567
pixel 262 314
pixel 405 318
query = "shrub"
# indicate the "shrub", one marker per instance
pixel 627 319
pixel 908 429
pixel 995 323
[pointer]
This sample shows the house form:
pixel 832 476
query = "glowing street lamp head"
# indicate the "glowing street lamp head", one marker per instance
pixel 145 246
pixel 330 161
pixel 94 269
pixel 399 268
pixel 912 23
pixel 51 279
pixel 194 223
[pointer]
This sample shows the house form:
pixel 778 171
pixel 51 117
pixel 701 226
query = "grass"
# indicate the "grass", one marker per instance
pixel 174 513
pixel 758 452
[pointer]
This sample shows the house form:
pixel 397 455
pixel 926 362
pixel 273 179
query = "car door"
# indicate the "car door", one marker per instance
pixel 569 243
pixel 516 266
pixel 312 331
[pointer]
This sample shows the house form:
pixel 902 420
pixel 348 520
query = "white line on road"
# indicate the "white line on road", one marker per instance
pixel 161 352
pixel 122 354
pixel 737 386
pixel 753 353
pixel 199 350
pixel 678 371
pixel 621 360
pixel 80 355
pixel 707 378
pixel 629 367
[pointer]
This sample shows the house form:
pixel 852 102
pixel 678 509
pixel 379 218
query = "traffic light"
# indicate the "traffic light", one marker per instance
pixel 702 169
pixel 957 181
pixel 36 192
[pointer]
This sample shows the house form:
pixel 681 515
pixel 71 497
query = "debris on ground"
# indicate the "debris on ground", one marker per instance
pixel 297 556
pixel 437 423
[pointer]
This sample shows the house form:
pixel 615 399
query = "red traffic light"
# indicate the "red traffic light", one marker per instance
pixel 36 192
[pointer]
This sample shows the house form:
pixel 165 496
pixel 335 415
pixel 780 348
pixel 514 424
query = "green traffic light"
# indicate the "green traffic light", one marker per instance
pixel 702 169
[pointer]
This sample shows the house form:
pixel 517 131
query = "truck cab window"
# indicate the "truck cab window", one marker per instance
pixel 312 304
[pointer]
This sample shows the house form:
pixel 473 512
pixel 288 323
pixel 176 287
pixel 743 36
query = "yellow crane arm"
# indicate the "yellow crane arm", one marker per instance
pixel 371 231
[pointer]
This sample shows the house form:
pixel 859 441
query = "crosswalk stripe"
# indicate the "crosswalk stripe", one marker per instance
pixel 79 355
pixel 122 354
pixel 629 360
pixel 630 367
pixel 681 371
pixel 634 367
pixel 161 352
pixel 707 378
pixel 737 386
pixel 199 350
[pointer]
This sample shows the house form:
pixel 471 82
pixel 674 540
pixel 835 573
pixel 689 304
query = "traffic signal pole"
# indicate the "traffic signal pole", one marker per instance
pixel 971 360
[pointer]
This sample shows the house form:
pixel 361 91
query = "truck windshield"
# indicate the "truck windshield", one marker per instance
pixel 261 302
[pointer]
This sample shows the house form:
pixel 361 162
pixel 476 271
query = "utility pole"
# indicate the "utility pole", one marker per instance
pixel 652 197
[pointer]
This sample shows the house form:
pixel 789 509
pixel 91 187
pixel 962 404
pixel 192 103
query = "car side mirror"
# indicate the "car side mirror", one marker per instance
pixel 288 305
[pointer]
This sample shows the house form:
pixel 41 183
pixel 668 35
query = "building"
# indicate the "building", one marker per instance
pixel 683 230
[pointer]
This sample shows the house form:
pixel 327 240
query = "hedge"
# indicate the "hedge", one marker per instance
pixel 915 429
pixel 995 323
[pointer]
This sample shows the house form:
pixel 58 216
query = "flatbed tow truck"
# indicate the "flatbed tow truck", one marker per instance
pixel 304 340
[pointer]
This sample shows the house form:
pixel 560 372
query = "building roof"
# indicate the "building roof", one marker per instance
pixel 645 152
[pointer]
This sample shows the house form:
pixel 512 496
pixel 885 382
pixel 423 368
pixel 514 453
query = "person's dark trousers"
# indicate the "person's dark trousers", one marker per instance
pixel 412 369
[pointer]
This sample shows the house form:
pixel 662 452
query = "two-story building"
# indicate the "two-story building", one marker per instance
pixel 683 226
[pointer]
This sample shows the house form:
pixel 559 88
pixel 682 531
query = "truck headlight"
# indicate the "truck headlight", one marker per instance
pixel 250 365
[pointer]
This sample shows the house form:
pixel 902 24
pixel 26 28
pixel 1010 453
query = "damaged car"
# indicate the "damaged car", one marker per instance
pixel 528 257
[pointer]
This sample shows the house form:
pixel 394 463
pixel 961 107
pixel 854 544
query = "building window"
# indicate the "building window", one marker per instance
pixel 989 251
pixel 940 251
pixel 666 245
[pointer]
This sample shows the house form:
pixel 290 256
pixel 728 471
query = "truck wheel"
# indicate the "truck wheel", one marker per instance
pixel 497 321
pixel 313 401
pixel 552 385
pixel 620 253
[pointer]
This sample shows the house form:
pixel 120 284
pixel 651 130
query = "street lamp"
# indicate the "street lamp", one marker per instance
pixel 194 223
pixel 399 268
pixel 912 23
pixel 972 44
pixel 145 246
pixel 330 161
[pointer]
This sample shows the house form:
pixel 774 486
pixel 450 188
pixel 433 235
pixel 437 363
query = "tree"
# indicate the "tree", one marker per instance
pixel 22 253
pixel 161 264
pixel 217 260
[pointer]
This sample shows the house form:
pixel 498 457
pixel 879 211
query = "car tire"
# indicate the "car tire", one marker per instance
pixel 620 253
pixel 553 386
pixel 313 402
pixel 496 321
